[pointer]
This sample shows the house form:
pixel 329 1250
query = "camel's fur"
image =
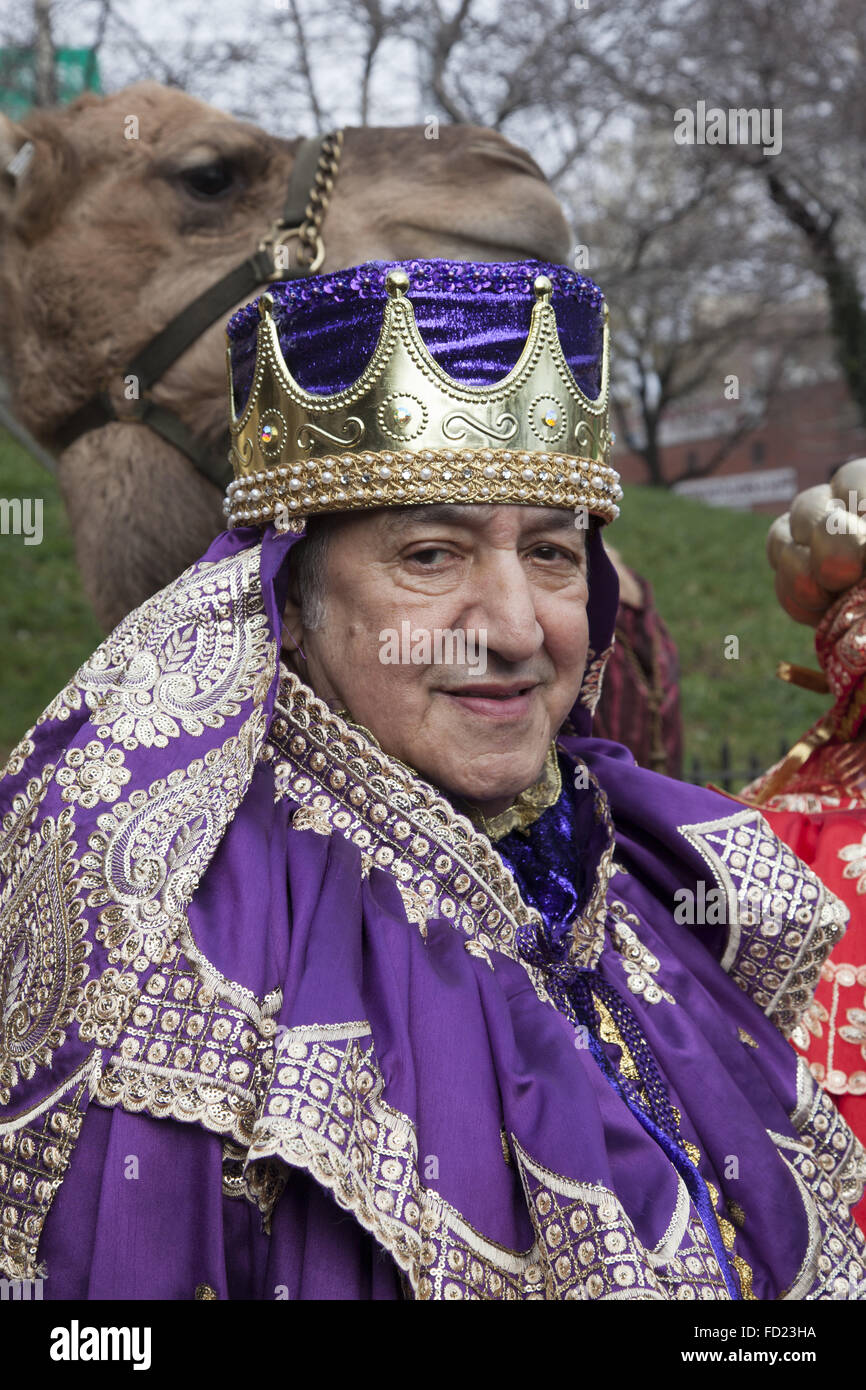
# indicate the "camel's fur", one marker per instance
pixel 102 244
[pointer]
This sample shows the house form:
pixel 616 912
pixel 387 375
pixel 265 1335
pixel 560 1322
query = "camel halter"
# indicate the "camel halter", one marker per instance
pixel 307 198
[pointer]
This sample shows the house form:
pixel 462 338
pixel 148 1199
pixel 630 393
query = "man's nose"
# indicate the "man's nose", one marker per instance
pixel 503 607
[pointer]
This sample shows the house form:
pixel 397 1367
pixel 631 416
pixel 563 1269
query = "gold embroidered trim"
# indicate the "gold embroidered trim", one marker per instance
pixel 792 920
pixel 34 1155
pixel 325 1113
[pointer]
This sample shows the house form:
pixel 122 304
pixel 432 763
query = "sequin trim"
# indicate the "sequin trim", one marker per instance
pixel 782 921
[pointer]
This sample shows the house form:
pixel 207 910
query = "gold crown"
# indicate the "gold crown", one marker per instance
pixel 407 433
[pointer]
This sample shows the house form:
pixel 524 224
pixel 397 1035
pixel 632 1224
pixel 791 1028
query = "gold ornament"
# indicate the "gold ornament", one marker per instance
pixel 531 439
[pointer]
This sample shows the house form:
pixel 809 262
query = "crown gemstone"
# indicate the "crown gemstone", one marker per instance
pixel 550 418
pixel 269 434
pixel 402 415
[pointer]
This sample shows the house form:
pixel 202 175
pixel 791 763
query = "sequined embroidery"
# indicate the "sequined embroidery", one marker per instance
pixel 192 673
pixel 325 1113
pixel 640 965
pixel 34 1154
pixel 799 920
pixel 43 952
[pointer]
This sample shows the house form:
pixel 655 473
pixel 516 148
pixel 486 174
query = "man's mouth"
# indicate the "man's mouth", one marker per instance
pixel 494 701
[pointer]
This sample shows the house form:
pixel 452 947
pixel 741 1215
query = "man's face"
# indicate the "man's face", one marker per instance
pixel 511 579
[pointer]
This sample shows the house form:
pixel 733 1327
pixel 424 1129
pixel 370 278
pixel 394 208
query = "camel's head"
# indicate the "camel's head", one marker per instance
pixel 132 204
pixel 129 207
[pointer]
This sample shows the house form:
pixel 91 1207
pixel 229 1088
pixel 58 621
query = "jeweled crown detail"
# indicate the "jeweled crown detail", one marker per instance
pixel 406 432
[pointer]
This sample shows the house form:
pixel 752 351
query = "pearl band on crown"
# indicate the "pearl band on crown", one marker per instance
pixel 351 482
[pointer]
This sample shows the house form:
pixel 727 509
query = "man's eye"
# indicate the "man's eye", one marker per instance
pixel 553 552
pixel 429 556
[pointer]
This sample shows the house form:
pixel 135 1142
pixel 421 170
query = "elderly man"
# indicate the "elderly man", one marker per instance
pixel 366 974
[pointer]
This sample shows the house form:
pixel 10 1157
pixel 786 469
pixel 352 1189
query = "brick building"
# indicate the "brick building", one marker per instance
pixel 810 425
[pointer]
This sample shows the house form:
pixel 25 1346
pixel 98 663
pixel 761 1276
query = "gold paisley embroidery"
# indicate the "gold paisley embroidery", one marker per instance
pixel 144 861
pixel 68 700
pixel 17 821
pixel 43 953
pixel 186 660
pixel 18 757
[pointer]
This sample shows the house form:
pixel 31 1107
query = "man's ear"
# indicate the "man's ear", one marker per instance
pixel 293 628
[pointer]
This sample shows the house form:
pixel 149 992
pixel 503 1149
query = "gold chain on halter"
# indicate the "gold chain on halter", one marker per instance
pixel 311 251
pixel 311 246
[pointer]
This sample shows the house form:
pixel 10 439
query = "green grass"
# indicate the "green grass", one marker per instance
pixel 711 580
pixel 46 626
pixel 706 565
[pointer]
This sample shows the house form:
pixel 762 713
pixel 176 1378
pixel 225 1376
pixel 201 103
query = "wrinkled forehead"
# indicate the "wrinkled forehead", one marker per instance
pixel 480 519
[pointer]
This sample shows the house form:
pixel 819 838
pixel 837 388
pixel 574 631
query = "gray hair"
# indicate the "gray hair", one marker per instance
pixel 308 571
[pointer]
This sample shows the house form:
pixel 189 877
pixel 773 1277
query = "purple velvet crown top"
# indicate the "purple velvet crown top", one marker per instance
pixel 473 317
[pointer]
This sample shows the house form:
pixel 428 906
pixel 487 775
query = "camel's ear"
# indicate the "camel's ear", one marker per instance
pixel 16 158
pixel 37 167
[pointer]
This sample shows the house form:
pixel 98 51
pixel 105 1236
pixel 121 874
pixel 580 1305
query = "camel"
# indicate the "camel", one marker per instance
pixel 133 204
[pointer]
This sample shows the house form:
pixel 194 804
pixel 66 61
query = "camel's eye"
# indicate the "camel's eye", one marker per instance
pixel 209 180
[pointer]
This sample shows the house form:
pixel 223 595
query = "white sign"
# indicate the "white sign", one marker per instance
pixel 742 490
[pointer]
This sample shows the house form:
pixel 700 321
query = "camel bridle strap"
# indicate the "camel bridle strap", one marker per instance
pixel 307 197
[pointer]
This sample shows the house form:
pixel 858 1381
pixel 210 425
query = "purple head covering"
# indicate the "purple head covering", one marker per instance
pixel 473 317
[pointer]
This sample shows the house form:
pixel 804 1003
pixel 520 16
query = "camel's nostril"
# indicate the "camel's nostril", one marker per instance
pixel 506 154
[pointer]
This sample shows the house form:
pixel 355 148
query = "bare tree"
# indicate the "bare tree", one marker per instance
pixel 579 82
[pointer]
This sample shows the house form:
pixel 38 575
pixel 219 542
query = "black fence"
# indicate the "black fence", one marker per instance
pixel 731 774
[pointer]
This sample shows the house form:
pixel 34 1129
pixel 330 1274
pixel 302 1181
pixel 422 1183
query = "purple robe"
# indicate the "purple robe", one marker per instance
pixel 278 1022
